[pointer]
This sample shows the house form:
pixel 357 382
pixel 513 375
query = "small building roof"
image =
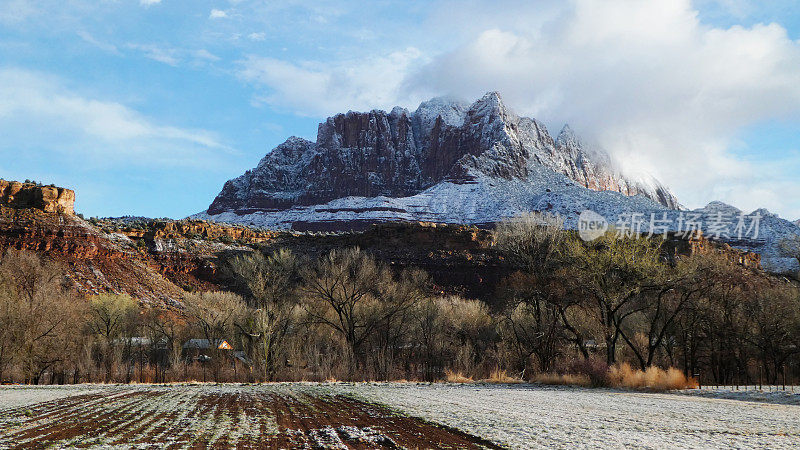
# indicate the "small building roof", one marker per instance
pixel 205 344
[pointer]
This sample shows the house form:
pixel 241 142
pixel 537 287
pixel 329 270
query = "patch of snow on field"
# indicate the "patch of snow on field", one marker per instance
pixel 18 396
pixel 750 394
pixel 534 416
pixel 516 416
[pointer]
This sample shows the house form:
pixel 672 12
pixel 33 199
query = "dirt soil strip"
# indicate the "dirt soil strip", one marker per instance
pixel 242 420
pixel 85 422
pixel 343 422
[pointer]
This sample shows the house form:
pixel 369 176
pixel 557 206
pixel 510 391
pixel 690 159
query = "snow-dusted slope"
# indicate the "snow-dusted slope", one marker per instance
pixel 486 200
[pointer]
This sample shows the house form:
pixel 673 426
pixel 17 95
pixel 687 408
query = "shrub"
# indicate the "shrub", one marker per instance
pixel 456 377
pixel 498 375
pixel 596 370
pixel 653 378
pixel 565 379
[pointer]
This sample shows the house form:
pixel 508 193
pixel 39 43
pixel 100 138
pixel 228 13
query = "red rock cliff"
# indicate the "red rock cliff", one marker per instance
pixel 29 195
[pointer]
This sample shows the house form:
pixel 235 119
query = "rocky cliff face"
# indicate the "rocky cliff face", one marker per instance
pixel 29 195
pixel 155 264
pixel 93 261
pixel 163 229
pixel 402 153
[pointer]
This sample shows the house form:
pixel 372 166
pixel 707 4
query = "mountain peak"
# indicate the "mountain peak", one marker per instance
pixel 720 207
pixel 492 96
pixel 491 102
pixel 451 110
pixel 567 137
pixel 566 132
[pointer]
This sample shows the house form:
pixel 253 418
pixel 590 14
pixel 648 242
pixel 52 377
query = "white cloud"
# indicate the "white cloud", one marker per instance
pixel 149 2
pixel 54 118
pixel 257 36
pixel 175 56
pixel 164 55
pixel 13 11
pixel 217 14
pixel 108 47
pixel 204 54
pixel 320 89
pixel 663 91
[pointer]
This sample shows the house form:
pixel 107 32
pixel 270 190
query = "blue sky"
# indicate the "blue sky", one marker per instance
pixel 148 107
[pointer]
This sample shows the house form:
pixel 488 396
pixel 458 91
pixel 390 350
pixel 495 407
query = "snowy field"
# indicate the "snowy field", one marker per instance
pixel 786 395
pixel 525 416
pixel 386 415
pixel 19 396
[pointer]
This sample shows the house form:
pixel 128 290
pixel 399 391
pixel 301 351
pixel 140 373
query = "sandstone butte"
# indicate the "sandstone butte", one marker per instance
pixel 30 195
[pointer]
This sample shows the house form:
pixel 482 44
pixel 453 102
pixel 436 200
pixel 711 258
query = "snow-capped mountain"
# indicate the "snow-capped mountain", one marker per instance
pixel 400 154
pixel 449 162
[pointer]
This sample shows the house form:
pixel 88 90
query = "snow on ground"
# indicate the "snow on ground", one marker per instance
pixel 18 396
pixel 488 200
pixel 534 416
pixel 516 416
pixel 765 394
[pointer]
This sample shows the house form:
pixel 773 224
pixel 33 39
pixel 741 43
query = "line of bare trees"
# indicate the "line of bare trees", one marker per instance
pixel 632 300
pixel 569 306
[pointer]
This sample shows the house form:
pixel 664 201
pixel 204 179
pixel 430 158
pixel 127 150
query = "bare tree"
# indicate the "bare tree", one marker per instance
pixel 612 275
pixel 674 289
pixel 536 314
pixel 215 314
pixel 352 294
pixel 774 331
pixel 110 321
pixel 43 316
pixel 533 240
pixel 271 284
pixel 8 326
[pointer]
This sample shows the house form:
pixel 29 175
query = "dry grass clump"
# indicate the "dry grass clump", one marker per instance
pixel 653 378
pixel 590 372
pixel 498 375
pixel 451 376
pixel 565 379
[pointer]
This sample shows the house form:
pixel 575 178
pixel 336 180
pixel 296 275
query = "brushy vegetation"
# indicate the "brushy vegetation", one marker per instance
pixel 618 312
pixel 456 377
pixel 653 378
pixel 564 379
pixel 622 376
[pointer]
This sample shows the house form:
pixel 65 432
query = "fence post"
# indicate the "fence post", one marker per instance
pixel 760 388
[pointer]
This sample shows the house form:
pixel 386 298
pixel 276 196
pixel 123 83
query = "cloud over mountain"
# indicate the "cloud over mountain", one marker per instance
pixel 665 92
